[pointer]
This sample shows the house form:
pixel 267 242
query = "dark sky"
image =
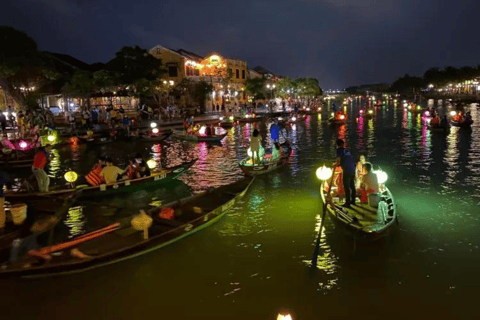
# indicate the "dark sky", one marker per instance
pixel 340 42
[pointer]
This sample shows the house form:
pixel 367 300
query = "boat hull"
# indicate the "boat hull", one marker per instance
pixel 189 137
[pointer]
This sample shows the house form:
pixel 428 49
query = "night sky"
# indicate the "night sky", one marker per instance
pixel 340 42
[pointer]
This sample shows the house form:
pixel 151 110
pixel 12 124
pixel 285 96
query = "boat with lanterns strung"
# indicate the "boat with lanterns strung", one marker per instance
pixel 338 118
pixel 370 221
pixel 267 164
pixel 128 238
pixel 249 118
pixel 179 134
pixel 227 122
pixel 156 178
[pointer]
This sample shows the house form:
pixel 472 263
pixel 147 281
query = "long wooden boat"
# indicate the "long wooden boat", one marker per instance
pixel 191 137
pixel 17 164
pixel 362 221
pixel 157 138
pixel 464 124
pixel 438 128
pixel 95 141
pixel 255 170
pixel 250 118
pixel 332 120
pixel 123 186
pixel 119 241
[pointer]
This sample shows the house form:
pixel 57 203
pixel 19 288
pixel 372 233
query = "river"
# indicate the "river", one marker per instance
pixel 253 264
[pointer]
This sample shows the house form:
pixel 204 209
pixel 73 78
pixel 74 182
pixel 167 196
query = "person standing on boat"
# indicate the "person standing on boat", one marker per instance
pixel 4 182
pixel 347 162
pixel 38 168
pixel 255 142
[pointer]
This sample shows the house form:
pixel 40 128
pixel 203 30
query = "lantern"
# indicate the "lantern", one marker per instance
pixel 284 317
pixel 324 173
pixel 221 118
pixel 249 152
pixel 294 119
pixel 308 109
pixel 155 130
pixel 71 176
pixel 427 113
pixel 202 130
pixel 142 222
pixel 231 118
pixel 153 125
pixel 453 113
pixel 361 111
pixel 381 176
pixel 342 117
pixel 151 164
pixel 23 145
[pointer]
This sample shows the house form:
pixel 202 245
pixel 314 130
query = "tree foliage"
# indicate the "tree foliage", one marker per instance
pixel 408 84
pixel 256 88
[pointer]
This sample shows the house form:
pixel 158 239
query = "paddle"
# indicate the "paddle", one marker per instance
pixel 316 251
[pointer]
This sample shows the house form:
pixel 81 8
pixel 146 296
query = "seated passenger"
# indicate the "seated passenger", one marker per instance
pixel 359 170
pixel 94 177
pixel 143 170
pixel 435 122
pixel 468 117
pixel 132 169
pixel 276 151
pixel 444 122
pixel 111 173
pixel 369 183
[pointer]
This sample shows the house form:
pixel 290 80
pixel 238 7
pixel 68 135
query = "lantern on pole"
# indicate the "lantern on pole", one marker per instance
pixel 324 173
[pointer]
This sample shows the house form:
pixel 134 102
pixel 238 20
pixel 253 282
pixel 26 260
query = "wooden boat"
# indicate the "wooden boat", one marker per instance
pixel 332 120
pixel 156 179
pixel 16 164
pixel 438 128
pixel 255 170
pixel 362 221
pixel 464 124
pixel 119 241
pixel 250 118
pixel 191 137
pixel 157 138
pixel 94 141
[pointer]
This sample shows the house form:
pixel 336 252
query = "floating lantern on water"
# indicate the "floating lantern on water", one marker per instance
pixel 342 117
pixel 71 176
pixel 155 130
pixel 23 145
pixel 51 138
pixel 381 176
pixel 151 164
pixel 324 173
pixel 453 113
pixel 153 125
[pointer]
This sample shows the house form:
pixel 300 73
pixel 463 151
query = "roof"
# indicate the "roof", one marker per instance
pixel 262 70
pixel 190 55
pixel 69 60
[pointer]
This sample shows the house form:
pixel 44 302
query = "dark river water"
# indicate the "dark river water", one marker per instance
pixel 253 264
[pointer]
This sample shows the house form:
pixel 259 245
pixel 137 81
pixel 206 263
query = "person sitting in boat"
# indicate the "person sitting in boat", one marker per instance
pixel 185 125
pixel 132 172
pixel 208 130
pixel 435 122
pixel 276 152
pixel 255 142
pixel 94 177
pixel 369 183
pixel 359 170
pixel 444 122
pixel 143 170
pixel 111 173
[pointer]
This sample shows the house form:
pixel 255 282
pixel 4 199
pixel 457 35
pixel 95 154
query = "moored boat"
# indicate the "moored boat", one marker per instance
pixel 363 220
pixel 197 138
pixel 462 124
pixel 157 138
pixel 438 128
pixel 156 179
pixel 120 241
pixel 255 170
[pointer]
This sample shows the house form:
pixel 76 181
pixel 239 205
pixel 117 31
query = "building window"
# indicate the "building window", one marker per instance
pixel 237 73
pixel 243 74
pixel 172 71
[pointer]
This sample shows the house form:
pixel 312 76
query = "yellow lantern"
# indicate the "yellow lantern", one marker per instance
pixel 153 125
pixel 51 138
pixel 151 164
pixel 155 130
pixel 453 113
pixel 142 222
pixel 284 317
pixel 381 176
pixel 71 176
pixel 324 173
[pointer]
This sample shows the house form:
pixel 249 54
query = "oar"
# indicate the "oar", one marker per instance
pixel 317 244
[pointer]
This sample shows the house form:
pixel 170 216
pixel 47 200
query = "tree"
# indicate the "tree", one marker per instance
pixel 283 87
pixel 408 84
pixel 256 88
pixel 81 85
pixel 308 87
pixel 23 68
pixel 202 90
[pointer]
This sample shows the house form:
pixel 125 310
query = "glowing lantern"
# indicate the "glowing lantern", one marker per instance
pixel 71 176
pixel 221 118
pixel 361 111
pixel 142 222
pixel 51 138
pixel 324 173
pixel 342 117
pixel 231 118
pixel 308 109
pixel 381 176
pixel 453 113
pixel 284 317
pixel 249 152
pixel 294 119
pixel 151 164
pixel 202 130
pixel 333 114
pixel 153 125
pixel 370 111
pixel 280 119
pixel 23 144
pixel 427 113
pixel 155 130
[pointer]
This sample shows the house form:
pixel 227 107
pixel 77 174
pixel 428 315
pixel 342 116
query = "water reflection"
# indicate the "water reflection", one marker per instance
pixel 75 221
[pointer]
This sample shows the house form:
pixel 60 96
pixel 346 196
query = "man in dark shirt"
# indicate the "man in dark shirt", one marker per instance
pixel 347 162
